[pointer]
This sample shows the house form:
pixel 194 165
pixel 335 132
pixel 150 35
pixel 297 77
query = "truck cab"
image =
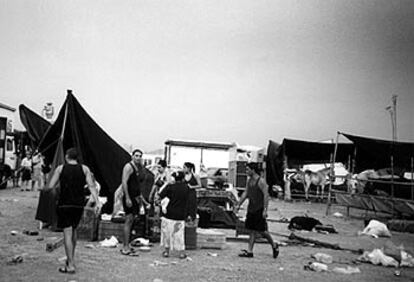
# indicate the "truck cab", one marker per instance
pixel 8 156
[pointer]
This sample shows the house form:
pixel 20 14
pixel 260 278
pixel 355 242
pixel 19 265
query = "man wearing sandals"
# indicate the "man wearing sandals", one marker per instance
pixel 258 196
pixel 132 177
pixel 72 178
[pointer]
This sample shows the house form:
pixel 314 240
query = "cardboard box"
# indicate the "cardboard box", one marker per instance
pixel 210 239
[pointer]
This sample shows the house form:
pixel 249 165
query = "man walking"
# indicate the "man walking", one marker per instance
pixel 258 196
pixel 132 177
pixel 72 178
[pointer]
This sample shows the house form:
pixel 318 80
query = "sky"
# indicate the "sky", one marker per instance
pixel 229 71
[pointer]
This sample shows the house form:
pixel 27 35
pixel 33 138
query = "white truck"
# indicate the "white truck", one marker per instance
pixel 8 155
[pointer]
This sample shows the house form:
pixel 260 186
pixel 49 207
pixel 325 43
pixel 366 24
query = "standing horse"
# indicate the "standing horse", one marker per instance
pixel 319 179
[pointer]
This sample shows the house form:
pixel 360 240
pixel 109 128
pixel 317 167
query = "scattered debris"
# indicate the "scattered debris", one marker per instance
pixel 40 239
pixel 138 242
pixel 188 259
pixel 16 259
pixel 90 246
pixel 158 263
pixel 377 257
pixel 303 223
pixel 31 232
pixel 325 229
pixel 56 243
pixel 337 214
pixel 14 232
pixel 407 260
pixel 144 249
pixel 279 220
pixel 324 258
pixel 346 270
pixel 212 254
pixel 62 259
pixel 109 243
pixel 316 266
pixel 375 229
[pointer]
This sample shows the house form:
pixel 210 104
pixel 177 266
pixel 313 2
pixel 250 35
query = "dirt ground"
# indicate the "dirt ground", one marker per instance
pixel 17 212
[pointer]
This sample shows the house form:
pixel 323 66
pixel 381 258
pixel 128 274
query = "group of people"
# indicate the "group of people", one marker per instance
pixel 173 196
pixel 33 171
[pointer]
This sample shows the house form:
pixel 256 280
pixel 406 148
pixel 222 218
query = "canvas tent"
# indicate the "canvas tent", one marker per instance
pixel 392 157
pixel 299 152
pixel 75 128
pixel 375 153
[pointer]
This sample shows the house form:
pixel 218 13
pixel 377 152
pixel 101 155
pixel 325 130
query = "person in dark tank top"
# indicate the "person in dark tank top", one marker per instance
pixel 72 178
pixel 193 181
pixel 132 178
pixel 258 196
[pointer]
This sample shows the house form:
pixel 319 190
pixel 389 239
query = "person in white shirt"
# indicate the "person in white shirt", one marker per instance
pixel 37 162
pixel 26 172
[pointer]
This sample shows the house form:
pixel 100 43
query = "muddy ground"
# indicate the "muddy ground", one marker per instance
pixel 17 212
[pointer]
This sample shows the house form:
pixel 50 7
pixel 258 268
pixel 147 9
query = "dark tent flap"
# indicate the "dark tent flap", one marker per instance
pixel 274 164
pixel 75 128
pixel 302 152
pixel 375 153
pixel 35 125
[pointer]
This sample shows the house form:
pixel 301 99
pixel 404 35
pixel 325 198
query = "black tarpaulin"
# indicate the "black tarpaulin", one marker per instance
pixel 35 125
pixel 105 158
pixel 375 153
pixel 305 152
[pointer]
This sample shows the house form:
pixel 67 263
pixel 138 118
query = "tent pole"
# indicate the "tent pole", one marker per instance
pixel 331 175
pixel 354 161
pixel 412 178
pixel 287 193
pixel 392 184
pixel 392 176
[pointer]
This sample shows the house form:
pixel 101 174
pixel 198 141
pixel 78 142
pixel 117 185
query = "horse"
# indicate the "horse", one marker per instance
pixel 318 178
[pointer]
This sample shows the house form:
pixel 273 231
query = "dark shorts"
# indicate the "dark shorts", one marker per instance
pixel 26 175
pixel 69 216
pixel 131 210
pixel 255 221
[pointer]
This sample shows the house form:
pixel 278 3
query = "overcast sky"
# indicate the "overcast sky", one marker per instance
pixel 232 71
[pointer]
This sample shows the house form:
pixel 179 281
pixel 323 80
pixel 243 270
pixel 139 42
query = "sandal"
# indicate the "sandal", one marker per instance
pixel 245 254
pixel 183 256
pixel 129 252
pixel 275 249
pixel 66 270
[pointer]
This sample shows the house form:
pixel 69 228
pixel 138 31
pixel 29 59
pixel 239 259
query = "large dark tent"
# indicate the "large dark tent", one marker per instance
pixel 75 128
pixel 375 153
pixel 35 125
pixel 298 152
pixel 393 159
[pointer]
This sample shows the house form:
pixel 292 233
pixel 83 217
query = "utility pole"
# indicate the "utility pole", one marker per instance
pixel 394 108
pixel 393 114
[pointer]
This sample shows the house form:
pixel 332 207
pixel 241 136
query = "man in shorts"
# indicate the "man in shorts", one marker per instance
pixel 72 177
pixel 258 196
pixel 132 177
